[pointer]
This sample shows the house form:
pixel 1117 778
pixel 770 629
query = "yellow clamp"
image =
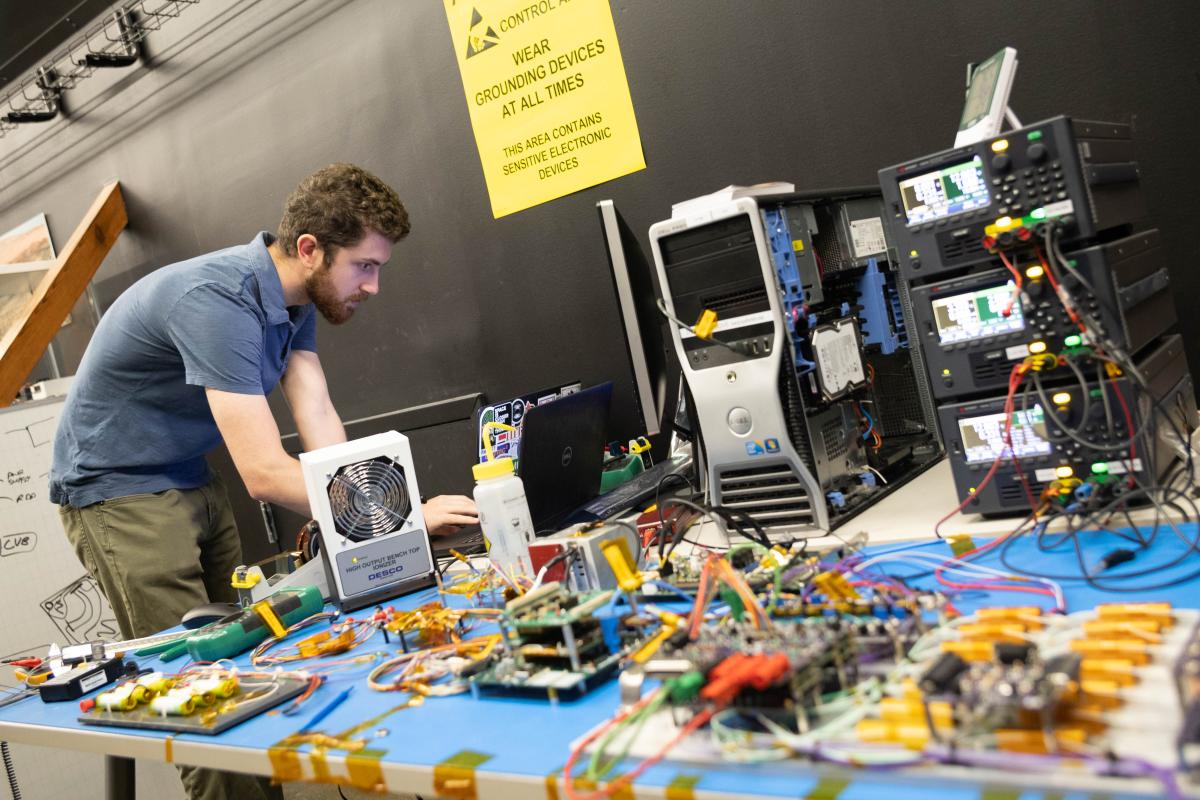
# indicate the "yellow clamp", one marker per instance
pixel 639 445
pixel 244 578
pixel 670 623
pixel 835 586
pixel 264 610
pixel 33 677
pixel 624 567
pixel 706 325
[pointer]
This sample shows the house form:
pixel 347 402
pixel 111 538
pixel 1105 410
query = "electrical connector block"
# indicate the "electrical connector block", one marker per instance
pixel 706 326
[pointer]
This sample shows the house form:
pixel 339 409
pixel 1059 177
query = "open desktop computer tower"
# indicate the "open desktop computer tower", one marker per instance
pixel 811 401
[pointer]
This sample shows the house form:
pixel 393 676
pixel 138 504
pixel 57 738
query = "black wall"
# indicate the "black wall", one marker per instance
pixel 818 93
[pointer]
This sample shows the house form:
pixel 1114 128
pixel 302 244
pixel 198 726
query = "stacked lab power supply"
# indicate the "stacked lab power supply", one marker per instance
pixel 1041 301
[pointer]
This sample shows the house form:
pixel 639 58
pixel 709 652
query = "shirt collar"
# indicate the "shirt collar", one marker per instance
pixel 270 290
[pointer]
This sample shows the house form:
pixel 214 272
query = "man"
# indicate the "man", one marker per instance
pixel 185 358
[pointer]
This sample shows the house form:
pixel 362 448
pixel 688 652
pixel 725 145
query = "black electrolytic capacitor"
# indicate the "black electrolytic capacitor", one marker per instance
pixel 942 674
pixel 1012 652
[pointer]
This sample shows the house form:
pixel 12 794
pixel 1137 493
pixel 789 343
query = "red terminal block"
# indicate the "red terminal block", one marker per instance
pixel 735 673
pixel 1024 234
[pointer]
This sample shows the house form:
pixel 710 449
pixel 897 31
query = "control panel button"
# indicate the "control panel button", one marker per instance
pixel 1001 162
pixel 739 421
pixel 1037 152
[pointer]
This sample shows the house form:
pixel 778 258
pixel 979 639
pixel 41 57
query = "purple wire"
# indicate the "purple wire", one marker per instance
pixel 1004 760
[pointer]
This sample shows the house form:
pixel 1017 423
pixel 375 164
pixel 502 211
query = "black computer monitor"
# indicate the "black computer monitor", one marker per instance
pixel 654 367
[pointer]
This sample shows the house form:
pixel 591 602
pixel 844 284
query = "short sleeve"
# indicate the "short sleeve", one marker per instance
pixel 306 336
pixel 220 339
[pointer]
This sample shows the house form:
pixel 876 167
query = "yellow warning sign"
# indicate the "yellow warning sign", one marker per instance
pixel 548 97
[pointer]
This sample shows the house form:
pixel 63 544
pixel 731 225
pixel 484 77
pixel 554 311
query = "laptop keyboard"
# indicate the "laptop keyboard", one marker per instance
pixel 636 490
pixel 468 541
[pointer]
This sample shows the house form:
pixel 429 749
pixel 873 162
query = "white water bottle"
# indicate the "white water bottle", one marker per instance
pixel 503 511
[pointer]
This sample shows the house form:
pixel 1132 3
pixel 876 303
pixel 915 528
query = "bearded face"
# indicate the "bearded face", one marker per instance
pixel 346 276
pixel 335 306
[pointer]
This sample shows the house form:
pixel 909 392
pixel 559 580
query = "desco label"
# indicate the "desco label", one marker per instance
pixel 386 573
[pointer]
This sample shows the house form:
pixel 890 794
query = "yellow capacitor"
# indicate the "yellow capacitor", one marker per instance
pixel 174 703
pixel 1021 613
pixel 1106 694
pixel 156 682
pixel 218 687
pixel 1144 630
pixel 1125 649
pixel 994 632
pixel 1116 670
pixel 1158 611
pixel 970 651
pixel 122 698
pixel 896 709
pixel 1018 740
pixel 912 735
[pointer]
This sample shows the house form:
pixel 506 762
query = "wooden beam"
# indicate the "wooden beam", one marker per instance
pixel 25 342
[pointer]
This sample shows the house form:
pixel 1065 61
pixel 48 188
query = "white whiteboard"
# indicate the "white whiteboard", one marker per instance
pixel 48 597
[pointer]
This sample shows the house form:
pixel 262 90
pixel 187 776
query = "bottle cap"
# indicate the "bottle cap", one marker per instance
pixel 493 469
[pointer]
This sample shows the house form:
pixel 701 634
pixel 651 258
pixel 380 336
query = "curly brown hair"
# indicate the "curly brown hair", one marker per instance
pixel 338 205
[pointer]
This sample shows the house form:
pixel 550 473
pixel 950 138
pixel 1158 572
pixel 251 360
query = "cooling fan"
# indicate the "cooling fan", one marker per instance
pixel 365 500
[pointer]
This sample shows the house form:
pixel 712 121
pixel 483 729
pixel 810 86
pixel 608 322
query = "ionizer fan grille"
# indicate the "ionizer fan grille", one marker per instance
pixel 369 498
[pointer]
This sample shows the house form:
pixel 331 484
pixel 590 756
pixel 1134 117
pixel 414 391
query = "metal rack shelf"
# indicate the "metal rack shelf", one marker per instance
pixel 114 41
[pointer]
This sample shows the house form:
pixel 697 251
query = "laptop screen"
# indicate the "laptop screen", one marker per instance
pixel 562 454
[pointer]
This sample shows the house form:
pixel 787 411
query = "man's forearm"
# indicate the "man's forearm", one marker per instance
pixel 282 485
pixel 320 428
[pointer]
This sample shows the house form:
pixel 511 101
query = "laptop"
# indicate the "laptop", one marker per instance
pixel 562 455
pixel 561 458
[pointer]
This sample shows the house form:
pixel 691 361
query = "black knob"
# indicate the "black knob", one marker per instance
pixel 1037 152
pixel 1001 162
pixel 1034 289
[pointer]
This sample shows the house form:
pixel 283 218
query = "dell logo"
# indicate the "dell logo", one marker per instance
pixel 566 457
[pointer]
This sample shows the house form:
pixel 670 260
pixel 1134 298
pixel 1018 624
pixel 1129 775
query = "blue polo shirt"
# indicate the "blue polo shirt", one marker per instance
pixel 137 419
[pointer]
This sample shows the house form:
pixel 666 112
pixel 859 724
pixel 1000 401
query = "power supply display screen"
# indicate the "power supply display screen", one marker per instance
pixel 983 437
pixel 949 190
pixel 976 315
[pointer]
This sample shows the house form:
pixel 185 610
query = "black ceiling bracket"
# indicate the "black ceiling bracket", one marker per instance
pixel 127 43
pixel 50 100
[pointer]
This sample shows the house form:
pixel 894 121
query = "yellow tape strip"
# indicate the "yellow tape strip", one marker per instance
pixel 285 763
pixel 366 770
pixel 320 766
pixel 169 749
pixel 961 543
pixel 584 785
pixel 264 610
pixel 552 784
pixel 682 787
pixel 827 789
pixel 998 793
pixel 455 777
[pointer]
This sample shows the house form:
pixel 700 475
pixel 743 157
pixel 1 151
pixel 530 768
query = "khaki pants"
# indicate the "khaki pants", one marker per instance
pixel 155 557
